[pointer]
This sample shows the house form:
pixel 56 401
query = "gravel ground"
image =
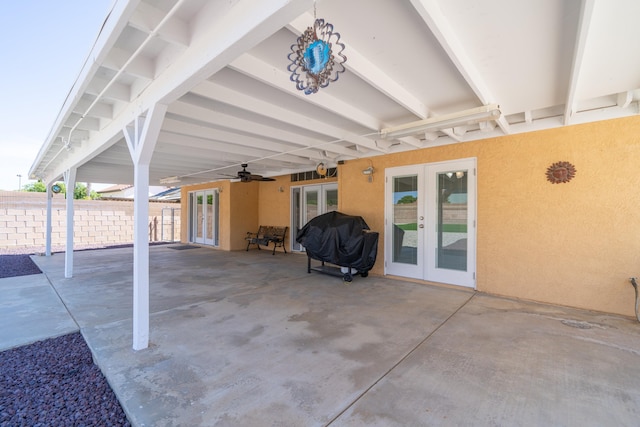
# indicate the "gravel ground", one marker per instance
pixel 17 265
pixel 53 382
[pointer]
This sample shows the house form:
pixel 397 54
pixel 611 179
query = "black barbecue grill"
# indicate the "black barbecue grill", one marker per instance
pixel 341 240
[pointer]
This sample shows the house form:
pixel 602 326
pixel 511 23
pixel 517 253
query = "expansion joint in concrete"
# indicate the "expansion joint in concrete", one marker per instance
pixel 402 359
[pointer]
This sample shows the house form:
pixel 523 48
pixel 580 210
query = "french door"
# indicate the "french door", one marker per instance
pixel 307 203
pixel 430 221
pixel 204 207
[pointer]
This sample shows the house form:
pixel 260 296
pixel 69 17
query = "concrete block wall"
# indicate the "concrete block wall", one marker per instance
pixel 23 219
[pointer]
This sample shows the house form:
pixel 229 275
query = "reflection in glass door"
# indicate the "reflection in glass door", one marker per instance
pixel 308 202
pixel 407 215
pixel 452 220
pixel 430 220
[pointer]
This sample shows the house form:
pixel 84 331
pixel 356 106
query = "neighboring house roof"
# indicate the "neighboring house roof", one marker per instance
pixel 168 195
pixel 221 69
pixel 126 191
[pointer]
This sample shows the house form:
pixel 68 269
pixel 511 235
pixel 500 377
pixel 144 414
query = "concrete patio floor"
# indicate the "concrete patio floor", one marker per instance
pixel 251 339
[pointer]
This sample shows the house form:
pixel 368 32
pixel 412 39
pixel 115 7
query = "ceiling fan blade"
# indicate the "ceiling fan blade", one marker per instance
pixel 245 176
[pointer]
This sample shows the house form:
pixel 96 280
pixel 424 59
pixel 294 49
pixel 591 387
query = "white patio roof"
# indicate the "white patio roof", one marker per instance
pixel 221 68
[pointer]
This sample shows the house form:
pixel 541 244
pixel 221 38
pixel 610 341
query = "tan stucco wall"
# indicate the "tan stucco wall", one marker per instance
pixel 223 188
pixel 238 211
pixel 572 244
pixel 244 212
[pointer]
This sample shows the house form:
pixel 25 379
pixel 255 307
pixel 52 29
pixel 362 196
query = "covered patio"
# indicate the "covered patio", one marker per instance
pixel 502 95
pixel 252 339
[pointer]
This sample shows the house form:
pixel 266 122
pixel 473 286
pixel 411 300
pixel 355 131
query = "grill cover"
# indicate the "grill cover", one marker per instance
pixel 340 239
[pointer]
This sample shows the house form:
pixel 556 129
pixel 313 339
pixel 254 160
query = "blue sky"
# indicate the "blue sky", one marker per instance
pixel 43 44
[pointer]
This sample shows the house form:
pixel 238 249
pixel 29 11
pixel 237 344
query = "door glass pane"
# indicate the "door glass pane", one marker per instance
pixel 296 216
pixel 311 205
pixel 209 217
pixel 331 200
pixel 199 216
pixel 451 250
pixel 405 219
pixel 216 216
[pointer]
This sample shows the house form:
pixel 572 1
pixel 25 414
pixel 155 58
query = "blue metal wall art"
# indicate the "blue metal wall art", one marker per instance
pixel 316 58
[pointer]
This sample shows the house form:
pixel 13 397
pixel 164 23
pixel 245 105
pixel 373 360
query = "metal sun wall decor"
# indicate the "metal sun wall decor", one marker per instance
pixel 316 58
pixel 560 172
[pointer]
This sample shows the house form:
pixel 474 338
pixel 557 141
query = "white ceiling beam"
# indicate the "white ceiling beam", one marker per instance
pixel 225 37
pixel 78 134
pixel 623 99
pixel 87 123
pixel 460 130
pixel 147 17
pixel 431 136
pixel 219 119
pixel 257 69
pixel 584 26
pixel 225 140
pixel 140 66
pixel 116 91
pixel 200 151
pixel 451 134
pixel 243 101
pixel 101 109
pixel 275 77
pixel 370 73
pixel 432 15
pixel 487 126
pixel 528 116
pixel 412 141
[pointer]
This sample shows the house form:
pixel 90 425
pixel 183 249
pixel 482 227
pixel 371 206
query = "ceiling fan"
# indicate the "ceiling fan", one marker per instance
pixel 245 176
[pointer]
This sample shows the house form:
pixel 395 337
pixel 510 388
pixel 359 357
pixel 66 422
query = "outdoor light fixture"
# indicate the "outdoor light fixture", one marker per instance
pixel 459 174
pixel 170 180
pixel 461 118
pixel 369 173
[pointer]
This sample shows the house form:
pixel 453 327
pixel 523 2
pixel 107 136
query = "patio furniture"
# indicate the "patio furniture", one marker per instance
pixel 268 234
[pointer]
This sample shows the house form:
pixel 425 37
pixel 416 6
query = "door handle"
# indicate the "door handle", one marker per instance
pixel 421 226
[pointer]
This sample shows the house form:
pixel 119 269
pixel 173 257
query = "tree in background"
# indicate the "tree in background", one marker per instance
pixel 80 192
pixel 406 199
pixel 35 187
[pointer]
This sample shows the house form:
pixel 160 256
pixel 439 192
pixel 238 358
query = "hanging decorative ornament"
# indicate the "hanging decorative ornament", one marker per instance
pixel 316 58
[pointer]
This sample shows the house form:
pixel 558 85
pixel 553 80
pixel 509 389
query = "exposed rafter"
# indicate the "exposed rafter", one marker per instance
pixel 221 68
pixel 279 79
pixel 430 12
pixel 584 25
pixel 369 72
pixel 240 100
pixel 147 18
